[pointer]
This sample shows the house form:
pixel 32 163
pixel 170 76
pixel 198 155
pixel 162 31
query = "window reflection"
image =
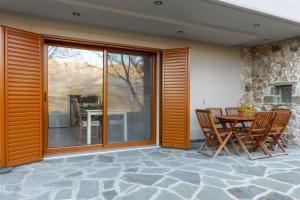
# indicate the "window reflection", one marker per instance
pixel 75 84
pixel 129 98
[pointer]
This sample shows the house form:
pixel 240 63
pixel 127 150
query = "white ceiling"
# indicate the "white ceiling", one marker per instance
pixel 201 20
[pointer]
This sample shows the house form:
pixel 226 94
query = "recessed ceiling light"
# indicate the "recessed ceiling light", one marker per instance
pixel 158 3
pixel 256 25
pixel 76 14
pixel 180 32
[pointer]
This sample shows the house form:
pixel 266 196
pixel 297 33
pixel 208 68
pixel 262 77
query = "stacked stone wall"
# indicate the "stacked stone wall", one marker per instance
pixel 264 69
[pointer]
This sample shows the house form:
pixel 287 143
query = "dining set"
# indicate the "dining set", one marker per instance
pixel 262 131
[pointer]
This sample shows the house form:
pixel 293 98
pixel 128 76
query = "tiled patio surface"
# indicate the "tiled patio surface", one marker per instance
pixel 156 174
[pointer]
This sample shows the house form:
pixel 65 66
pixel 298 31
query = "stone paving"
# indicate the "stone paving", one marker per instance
pixel 155 174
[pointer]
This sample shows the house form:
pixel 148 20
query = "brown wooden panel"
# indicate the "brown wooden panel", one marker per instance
pixel 175 126
pixel 2 103
pixel 23 97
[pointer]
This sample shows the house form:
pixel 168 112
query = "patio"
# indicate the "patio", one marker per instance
pixel 158 174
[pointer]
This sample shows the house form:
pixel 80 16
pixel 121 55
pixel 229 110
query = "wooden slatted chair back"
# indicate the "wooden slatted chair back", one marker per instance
pixel 205 120
pixel 261 124
pixel 263 120
pixel 281 120
pixel 215 112
pixel 231 111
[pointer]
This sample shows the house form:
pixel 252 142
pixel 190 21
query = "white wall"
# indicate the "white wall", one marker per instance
pixel 214 70
pixel 215 80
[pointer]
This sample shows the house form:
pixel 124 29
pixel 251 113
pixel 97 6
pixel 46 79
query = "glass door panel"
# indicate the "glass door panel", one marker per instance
pixel 75 96
pixel 129 100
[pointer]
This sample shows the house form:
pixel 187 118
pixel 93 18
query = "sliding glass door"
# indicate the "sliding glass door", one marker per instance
pixel 75 96
pixel 129 95
pixel 81 81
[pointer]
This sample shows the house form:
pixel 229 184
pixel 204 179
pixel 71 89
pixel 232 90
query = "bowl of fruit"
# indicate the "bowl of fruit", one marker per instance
pixel 246 111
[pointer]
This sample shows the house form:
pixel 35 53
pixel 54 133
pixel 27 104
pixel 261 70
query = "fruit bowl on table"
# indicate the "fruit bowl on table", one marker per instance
pixel 246 111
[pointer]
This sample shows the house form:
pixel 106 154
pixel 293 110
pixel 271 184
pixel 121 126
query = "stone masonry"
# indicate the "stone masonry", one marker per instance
pixel 264 70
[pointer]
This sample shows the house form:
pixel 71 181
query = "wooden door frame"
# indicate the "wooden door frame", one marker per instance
pixel 89 45
pixel 2 101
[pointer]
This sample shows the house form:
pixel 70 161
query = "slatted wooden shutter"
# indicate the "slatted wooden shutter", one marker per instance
pixel 175 99
pixel 23 97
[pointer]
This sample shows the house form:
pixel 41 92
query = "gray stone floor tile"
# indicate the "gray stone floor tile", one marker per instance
pixel 158 155
pixel 124 186
pixel 139 194
pixel 221 175
pixel 144 179
pixel 185 176
pixel 105 158
pixel 9 196
pixel 272 184
pixel 154 170
pixel 216 166
pixel 106 173
pixel 211 193
pixel 165 195
pixel 166 182
pixel 108 184
pixel 275 196
pixel 60 183
pixel 246 192
pixel 213 181
pixel 80 158
pixel 88 189
pixel 63 194
pixel 109 195
pixel 13 177
pixel 132 169
pixel 250 170
pixel 295 193
pixel 132 153
pixel 185 190
pixel 295 163
pixel 288 177
pixel 44 196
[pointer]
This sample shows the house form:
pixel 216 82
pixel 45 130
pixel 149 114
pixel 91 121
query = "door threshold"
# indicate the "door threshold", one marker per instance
pixel 97 152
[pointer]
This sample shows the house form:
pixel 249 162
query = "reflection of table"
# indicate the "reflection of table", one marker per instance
pixel 90 113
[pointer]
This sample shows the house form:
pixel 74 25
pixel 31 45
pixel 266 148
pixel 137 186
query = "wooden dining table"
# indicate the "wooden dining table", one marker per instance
pixel 233 120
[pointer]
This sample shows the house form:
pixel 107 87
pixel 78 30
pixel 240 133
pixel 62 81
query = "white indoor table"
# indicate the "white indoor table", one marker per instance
pixel 90 113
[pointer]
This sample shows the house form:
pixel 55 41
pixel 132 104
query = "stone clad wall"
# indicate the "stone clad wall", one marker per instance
pixel 264 69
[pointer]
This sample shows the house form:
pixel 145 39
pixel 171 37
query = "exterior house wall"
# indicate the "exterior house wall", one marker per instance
pixel 272 66
pixel 214 70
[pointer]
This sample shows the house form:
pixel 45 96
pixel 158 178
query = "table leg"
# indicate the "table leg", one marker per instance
pixel 125 127
pixel 89 125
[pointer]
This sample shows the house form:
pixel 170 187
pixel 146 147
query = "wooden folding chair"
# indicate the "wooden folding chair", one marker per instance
pixel 282 137
pixel 274 137
pixel 216 138
pixel 234 111
pixel 253 138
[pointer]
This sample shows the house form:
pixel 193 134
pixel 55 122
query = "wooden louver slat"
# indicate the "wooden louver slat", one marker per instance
pixel 23 97
pixel 175 99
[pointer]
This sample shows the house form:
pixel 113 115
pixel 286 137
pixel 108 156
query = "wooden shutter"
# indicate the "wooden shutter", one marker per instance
pixel 175 124
pixel 2 88
pixel 23 97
